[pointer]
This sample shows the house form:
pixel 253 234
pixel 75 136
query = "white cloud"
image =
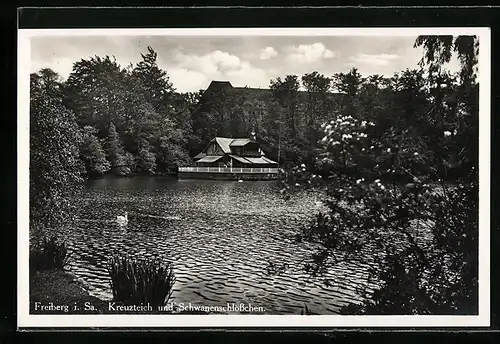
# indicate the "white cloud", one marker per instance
pixel 267 53
pixel 62 66
pixel 374 59
pixel 185 80
pixel 309 53
pixel 248 75
pixel 211 63
pixel 191 71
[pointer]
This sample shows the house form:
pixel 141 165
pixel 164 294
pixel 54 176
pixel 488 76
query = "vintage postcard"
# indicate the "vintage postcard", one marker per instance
pixel 281 178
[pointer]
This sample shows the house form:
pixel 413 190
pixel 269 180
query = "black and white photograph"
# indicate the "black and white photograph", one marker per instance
pixel 235 177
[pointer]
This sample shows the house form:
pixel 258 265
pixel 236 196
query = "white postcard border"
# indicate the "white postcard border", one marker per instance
pixel 248 321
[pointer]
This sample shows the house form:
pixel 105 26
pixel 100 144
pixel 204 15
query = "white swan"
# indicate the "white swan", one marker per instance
pixel 122 220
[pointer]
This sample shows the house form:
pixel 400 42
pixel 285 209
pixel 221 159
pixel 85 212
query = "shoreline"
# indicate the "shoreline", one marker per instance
pixel 57 292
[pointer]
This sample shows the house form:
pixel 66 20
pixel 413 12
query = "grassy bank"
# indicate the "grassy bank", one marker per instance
pixel 57 287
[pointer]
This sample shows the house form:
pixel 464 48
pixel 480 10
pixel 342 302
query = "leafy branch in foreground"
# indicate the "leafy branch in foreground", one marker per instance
pixel 402 200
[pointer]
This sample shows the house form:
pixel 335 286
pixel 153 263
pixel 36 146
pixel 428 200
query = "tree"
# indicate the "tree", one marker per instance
pixel 286 92
pixel 92 154
pixel 171 152
pixel 348 86
pixel 98 91
pixel 155 82
pixel 55 167
pixel 146 160
pixel 120 161
pixel 318 105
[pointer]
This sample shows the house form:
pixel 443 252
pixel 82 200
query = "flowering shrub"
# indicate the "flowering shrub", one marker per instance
pixel 390 208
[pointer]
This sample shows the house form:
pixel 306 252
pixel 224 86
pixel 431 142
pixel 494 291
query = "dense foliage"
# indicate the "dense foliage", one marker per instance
pixel 397 157
pixel 402 192
pixel 55 167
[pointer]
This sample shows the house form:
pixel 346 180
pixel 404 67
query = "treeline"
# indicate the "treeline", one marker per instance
pixel 131 119
pixel 288 116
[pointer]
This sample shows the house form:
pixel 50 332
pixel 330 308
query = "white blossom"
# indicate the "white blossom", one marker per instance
pixel 415 153
pixel 447 133
pixel 388 150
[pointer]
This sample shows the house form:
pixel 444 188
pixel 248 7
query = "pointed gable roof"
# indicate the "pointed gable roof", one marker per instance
pixel 224 143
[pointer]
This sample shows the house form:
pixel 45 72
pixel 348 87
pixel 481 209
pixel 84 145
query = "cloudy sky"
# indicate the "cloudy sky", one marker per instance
pixel 193 61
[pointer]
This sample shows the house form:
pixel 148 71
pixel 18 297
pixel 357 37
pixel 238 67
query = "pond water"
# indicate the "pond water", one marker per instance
pixel 220 236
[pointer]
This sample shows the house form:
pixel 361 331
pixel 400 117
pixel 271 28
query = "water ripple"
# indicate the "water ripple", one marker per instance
pixel 219 235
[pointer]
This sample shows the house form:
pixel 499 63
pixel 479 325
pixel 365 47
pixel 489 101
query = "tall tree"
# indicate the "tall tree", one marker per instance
pixel 92 154
pixel 286 92
pixel 146 160
pixel 55 167
pixel 348 85
pixel 120 160
pixel 97 90
pixel 318 104
pixel 155 82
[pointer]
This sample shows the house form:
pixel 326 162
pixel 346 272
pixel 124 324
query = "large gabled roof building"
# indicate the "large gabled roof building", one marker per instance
pixel 233 152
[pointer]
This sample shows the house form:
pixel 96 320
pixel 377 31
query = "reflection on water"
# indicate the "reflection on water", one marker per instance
pixel 220 235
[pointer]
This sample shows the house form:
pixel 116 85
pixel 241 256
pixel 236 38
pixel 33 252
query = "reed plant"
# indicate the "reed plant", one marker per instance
pixel 140 281
pixel 48 254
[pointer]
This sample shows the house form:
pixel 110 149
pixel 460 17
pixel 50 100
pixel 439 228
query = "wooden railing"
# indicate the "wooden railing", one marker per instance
pixel 229 169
